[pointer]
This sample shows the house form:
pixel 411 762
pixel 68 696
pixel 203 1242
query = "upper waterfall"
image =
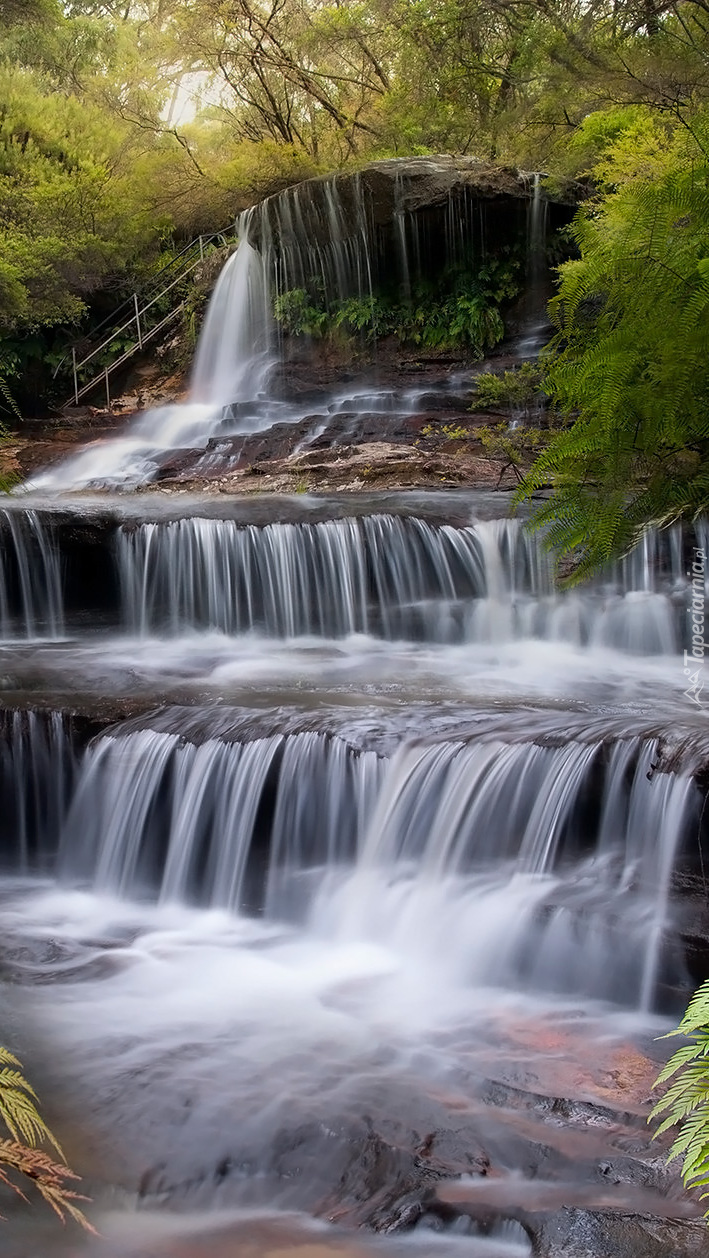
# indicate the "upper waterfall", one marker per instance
pixel 237 339
pixel 326 241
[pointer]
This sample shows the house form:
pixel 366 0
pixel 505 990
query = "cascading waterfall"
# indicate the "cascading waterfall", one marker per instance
pixel 323 879
pixel 233 355
pixel 301 905
pixel 393 577
pixel 545 866
pixel 31 602
pixel 38 765
pixel 154 812
pixel 321 235
pixel 537 888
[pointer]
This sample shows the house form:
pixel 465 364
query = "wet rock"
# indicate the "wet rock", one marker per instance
pixel 412 185
pixel 351 468
pixel 577 1233
pixel 174 463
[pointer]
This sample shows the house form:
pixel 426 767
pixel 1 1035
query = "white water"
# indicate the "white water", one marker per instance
pixel 395 578
pixel 321 233
pixel 356 874
pixel 31 603
pixel 489 834
pixel 235 346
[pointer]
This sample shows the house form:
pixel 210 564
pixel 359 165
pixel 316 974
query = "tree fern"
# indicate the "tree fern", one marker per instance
pixel 21 1157
pixel 686 1102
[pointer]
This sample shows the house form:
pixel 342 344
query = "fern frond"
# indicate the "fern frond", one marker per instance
pixel 21 1155
pixel 50 1178
pixel 685 1104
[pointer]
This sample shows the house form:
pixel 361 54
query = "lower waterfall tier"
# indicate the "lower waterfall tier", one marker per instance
pixel 536 863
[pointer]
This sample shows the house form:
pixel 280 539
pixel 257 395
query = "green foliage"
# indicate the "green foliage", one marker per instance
pixel 7 403
pixel 520 389
pixel 513 447
pixel 298 315
pixel 125 124
pixel 629 365
pixel 686 1102
pixel 21 1156
pixel 453 432
pixel 459 311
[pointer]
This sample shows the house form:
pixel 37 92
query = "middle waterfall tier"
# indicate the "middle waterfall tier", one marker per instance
pixel 391 576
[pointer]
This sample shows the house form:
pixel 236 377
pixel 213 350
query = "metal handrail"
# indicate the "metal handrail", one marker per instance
pixel 128 353
pixel 135 318
pixel 190 262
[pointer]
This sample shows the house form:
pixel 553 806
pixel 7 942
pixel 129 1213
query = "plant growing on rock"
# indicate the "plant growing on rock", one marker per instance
pixel 460 311
pixel 513 447
pixel 21 1156
pixel 686 1102
pixel 452 432
pixel 298 314
pixel 519 390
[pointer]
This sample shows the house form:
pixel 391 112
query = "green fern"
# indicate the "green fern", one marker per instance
pixel 628 370
pixel 10 405
pixel 686 1102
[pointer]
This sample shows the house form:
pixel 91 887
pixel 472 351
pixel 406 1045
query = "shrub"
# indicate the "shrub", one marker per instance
pixel 519 390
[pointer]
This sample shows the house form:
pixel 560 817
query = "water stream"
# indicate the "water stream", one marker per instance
pixel 323 236
pixel 349 866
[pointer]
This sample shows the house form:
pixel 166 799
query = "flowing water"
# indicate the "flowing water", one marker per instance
pixel 323 236
pixel 348 865
pixel 343 804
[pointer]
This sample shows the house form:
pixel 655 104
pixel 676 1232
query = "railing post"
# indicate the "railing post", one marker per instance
pixel 201 248
pixel 76 381
pixel 137 320
pixel 108 389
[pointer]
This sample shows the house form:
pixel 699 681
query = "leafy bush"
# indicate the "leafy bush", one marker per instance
pixel 453 432
pixel 519 390
pixel 298 315
pixel 630 365
pixel 514 447
pixel 686 1103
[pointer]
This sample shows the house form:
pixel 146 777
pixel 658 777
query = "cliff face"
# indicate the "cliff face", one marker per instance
pixel 382 191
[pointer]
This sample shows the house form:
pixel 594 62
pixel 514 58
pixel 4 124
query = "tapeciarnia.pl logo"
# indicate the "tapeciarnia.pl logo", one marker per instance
pixel 694 660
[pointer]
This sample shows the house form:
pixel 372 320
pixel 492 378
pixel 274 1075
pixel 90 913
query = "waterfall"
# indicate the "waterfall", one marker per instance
pixel 38 766
pixel 389 576
pixel 327 239
pixel 531 865
pixel 537 231
pixel 236 344
pixel 535 322
pixel 31 601
pixel 392 577
pixel 154 812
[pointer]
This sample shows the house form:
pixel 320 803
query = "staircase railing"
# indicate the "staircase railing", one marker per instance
pixel 134 317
